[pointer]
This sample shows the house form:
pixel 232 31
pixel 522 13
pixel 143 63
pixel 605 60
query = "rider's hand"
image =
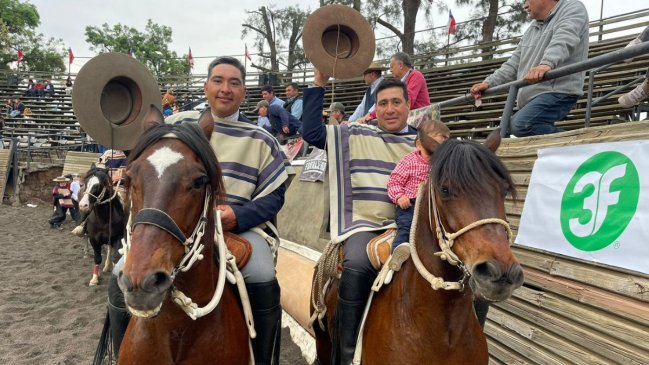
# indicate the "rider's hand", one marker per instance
pixel 228 218
pixel 285 130
pixel 319 78
pixel 535 74
pixel 404 202
pixel 478 88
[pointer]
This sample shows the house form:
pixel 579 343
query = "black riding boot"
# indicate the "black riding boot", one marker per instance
pixel 267 314
pixel 117 314
pixel 481 309
pixel 353 292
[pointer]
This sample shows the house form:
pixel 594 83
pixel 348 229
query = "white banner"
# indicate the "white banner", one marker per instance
pixel 590 202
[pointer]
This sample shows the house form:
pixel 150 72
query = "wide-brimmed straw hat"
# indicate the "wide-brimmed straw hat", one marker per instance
pixel 61 179
pixel 374 66
pixel 111 96
pixel 338 30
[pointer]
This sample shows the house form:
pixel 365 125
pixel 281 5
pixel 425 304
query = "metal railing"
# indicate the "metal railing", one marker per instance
pixel 512 87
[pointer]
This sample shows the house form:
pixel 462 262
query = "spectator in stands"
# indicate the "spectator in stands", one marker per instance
pixel 337 114
pixel 282 123
pixel 401 68
pixel 18 109
pixel 68 86
pixel 49 88
pixel 355 145
pixel 9 107
pixel 61 200
pixel 557 36
pixel 2 127
pixel 372 77
pixel 268 94
pixel 168 99
pixel 186 106
pixel 410 172
pixel 39 89
pixel 641 92
pixel 293 101
pixel 30 88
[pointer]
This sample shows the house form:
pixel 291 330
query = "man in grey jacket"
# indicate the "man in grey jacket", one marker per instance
pixel 557 36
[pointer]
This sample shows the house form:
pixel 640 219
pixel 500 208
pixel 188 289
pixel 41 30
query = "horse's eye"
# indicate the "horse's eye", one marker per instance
pixel 446 192
pixel 200 182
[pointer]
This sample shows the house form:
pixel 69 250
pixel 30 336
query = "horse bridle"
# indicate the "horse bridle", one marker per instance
pixel 98 198
pixel 193 252
pixel 446 241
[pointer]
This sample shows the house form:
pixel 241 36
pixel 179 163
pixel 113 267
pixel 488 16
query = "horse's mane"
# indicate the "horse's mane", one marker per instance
pixel 467 168
pixel 101 174
pixel 192 135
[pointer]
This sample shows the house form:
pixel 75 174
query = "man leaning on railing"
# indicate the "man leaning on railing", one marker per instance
pixel 557 36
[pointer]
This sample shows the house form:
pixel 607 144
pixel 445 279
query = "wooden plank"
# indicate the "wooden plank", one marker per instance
pixel 616 326
pixel 5 164
pixel 632 309
pixel 631 284
pixel 500 354
pixel 556 347
pixel 79 162
pixel 601 344
pixel 517 344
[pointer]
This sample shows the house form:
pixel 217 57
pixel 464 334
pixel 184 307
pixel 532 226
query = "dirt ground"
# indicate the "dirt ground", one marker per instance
pixel 48 313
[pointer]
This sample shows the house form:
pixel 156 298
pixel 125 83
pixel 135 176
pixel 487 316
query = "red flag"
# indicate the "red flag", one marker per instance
pixel 451 23
pixel 190 58
pixel 70 56
pixel 247 54
pixel 20 55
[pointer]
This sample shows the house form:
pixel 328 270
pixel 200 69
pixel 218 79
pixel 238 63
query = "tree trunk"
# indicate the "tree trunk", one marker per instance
pixel 357 5
pixel 270 38
pixel 488 28
pixel 410 9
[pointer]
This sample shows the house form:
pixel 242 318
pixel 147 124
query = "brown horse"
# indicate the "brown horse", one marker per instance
pixel 174 180
pixel 408 321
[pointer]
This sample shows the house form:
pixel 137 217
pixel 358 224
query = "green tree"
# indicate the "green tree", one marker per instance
pixel 276 30
pixel 504 19
pixel 151 46
pixel 18 20
pixel 356 4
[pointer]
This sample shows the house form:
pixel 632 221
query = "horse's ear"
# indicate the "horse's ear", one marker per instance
pixel 153 117
pixel 493 140
pixel 206 122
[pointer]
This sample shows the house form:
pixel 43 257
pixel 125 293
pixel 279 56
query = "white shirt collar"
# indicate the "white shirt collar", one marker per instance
pixel 403 79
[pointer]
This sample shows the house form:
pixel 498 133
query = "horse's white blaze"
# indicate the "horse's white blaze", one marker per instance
pixel 89 185
pixel 163 158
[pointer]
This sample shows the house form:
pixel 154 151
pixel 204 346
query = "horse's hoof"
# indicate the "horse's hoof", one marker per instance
pixel 106 269
pixel 78 231
pixel 94 281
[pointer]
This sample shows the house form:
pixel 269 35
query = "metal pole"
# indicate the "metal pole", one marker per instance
pixel 505 121
pixel 589 104
pixel 601 16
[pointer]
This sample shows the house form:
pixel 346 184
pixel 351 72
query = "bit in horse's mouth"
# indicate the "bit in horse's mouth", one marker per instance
pixel 145 313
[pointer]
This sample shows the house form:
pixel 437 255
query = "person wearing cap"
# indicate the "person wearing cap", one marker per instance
pixel 372 77
pixel 61 200
pixel 256 174
pixel 282 123
pixel 360 158
pixel 336 113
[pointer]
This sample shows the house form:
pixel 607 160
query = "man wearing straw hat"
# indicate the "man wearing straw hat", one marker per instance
pixel 62 201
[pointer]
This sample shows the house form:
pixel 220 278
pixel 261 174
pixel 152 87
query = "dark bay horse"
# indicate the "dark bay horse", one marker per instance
pixel 105 222
pixel 459 219
pixel 173 180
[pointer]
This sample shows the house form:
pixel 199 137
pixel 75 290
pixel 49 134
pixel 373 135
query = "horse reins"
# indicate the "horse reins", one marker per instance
pixel 446 241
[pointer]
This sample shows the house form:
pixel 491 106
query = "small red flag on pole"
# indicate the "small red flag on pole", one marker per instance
pixel 451 23
pixel 20 55
pixel 70 55
pixel 247 54
pixel 190 58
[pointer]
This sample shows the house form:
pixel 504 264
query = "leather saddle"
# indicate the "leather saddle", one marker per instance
pixel 239 247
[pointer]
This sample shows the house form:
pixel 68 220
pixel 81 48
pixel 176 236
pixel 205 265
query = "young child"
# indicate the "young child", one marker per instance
pixel 62 201
pixel 412 170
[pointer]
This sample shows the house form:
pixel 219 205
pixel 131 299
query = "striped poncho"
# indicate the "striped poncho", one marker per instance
pixel 360 159
pixel 251 160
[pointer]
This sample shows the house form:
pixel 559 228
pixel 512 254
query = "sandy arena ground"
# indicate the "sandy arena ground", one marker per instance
pixel 48 313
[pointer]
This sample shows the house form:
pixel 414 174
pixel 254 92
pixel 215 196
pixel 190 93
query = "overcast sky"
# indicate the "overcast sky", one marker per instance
pixel 209 27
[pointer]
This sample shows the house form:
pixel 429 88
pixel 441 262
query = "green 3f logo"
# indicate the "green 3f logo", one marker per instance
pixel 599 201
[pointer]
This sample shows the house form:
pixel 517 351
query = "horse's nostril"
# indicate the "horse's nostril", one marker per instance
pixel 125 281
pixel 487 271
pixel 159 281
pixel 516 275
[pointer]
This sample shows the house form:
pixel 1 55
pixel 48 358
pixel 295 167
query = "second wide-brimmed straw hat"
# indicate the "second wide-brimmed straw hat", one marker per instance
pixel 111 96
pixel 338 41
pixel 61 179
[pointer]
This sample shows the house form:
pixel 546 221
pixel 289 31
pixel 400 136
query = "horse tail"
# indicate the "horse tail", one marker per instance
pixel 104 344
